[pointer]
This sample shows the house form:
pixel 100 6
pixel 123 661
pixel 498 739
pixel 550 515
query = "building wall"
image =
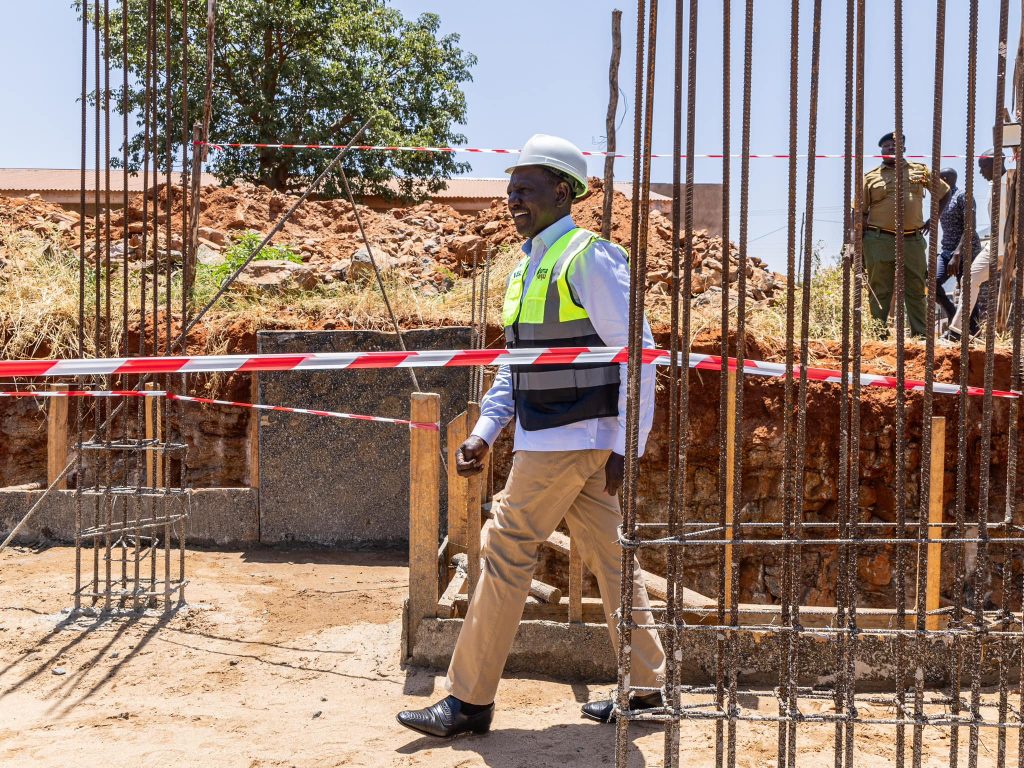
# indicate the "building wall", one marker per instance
pixel 707 205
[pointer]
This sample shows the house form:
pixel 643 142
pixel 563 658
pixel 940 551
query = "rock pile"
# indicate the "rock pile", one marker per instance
pixel 428 246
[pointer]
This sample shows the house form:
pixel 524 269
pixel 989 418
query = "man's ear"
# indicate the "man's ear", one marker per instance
pixel 565 196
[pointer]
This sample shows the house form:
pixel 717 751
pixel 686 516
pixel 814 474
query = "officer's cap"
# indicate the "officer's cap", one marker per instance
pixel 890 136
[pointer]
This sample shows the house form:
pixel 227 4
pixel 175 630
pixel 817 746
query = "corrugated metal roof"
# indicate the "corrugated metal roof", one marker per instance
pixel 69 180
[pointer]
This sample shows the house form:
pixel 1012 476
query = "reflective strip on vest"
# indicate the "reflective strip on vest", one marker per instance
pixel 547 314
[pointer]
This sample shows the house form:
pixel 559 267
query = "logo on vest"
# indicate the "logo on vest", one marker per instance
pixel 542 273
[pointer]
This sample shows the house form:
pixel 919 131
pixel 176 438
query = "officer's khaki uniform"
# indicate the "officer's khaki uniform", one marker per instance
pixel 880 240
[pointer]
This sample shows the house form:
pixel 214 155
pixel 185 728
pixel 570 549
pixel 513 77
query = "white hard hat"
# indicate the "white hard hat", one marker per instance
pixel 557 154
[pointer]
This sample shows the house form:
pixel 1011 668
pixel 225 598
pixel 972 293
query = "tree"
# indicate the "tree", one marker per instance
pixel 304 72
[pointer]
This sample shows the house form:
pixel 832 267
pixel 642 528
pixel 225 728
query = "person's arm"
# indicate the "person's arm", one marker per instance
pixel 600 280
pixel 496 410
pixel 943 189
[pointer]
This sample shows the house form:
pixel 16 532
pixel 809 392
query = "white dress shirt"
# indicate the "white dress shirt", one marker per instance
pixel 599 279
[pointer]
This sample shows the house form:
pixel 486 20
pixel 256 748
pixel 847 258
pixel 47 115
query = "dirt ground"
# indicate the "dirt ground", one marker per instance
pixel 291 658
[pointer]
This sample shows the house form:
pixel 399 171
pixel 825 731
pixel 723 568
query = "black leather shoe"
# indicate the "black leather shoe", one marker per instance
pixel 446 718
pixel 604 710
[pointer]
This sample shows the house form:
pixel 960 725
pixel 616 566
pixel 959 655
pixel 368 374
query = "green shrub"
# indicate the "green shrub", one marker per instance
pixel 237 254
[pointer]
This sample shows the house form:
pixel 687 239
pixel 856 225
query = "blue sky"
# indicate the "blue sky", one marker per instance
pixel 543 68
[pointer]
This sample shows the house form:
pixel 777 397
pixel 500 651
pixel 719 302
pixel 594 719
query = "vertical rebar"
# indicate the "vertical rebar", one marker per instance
pixel 723 653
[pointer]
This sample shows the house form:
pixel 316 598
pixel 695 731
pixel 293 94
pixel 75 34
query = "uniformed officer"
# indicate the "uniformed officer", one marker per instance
pixel 879 222
pixel 570 289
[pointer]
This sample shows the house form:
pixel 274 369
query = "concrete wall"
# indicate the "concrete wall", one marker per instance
pixel 707 205
pixel 332 481
pixel 218 517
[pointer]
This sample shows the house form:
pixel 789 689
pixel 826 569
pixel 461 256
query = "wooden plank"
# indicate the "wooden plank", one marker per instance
pixel 253 436
pixel 57 436
pixel 657 587
pixel 446 608
pixel 472 507
pixel 456 433
pixel 730 479
pixel 575 584
pixel 934 575
pixel 749 614
pixel 151 419
pixel 424 512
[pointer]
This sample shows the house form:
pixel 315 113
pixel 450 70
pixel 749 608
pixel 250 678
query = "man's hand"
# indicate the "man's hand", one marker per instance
pixel 614 471
pixel 953 268
pixel 469 459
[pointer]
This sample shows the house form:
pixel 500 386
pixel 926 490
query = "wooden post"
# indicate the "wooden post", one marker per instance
pixel 730 479
pixel 934 576
pixel 151 412
pixel 575 583
pixel 613 107
pixel 456 434
pixel 57 436
pixel 254 434
pixel 472 507
pixel 424 503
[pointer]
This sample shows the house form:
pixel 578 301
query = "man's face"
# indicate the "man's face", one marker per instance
pixel 536 199
pixel 889 148
pixel 985 167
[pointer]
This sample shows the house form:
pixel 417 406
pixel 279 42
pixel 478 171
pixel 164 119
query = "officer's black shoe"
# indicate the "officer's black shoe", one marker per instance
pixel 604 710
pixel 448 718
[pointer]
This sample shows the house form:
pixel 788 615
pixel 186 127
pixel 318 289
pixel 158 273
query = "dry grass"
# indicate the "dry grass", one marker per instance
pixel 39 306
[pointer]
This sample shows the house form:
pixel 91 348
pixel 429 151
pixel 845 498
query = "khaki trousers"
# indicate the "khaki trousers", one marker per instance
pixel 880 263
pixel 543 488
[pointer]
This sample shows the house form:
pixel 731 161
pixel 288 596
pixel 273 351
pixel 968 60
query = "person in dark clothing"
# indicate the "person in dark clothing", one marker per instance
pixel 952 220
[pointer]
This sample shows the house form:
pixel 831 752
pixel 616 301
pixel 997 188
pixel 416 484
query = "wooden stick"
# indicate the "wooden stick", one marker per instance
pixel 446 605
pixel 424 503
pixel 657 587
pixel 730 479
pixel 546 593
pixel 613 108
pixel 473 511
pixel 575 583
pixel 456 434
pixel 57 437
pixel 934 576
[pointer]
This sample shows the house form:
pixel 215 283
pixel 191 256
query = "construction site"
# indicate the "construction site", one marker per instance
pixel 233 530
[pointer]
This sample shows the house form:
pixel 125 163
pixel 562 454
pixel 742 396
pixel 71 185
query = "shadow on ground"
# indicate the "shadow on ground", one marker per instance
pixel 554 747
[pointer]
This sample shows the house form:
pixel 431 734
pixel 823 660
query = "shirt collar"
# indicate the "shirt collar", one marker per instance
pixel 550 235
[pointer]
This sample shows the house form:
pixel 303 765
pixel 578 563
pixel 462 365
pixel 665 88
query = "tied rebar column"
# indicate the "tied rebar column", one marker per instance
pixel 955 670
pixel 130 496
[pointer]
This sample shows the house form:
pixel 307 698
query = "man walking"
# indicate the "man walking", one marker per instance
pixel 879 222
pixel 981 265
pixel 952 219
pixel 571 289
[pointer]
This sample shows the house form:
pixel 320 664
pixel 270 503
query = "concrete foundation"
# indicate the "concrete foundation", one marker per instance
pixel 219 517
pixel 583 653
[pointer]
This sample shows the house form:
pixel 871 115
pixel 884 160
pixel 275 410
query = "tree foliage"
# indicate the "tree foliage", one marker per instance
pixel 303 72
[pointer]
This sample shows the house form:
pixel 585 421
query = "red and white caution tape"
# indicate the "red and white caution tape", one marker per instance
pixel 209 401
pixel 221 146
pixel 434 358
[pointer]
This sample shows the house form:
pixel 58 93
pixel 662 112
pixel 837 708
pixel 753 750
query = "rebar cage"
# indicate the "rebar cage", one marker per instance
pixel 129 469
pixel 954 667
